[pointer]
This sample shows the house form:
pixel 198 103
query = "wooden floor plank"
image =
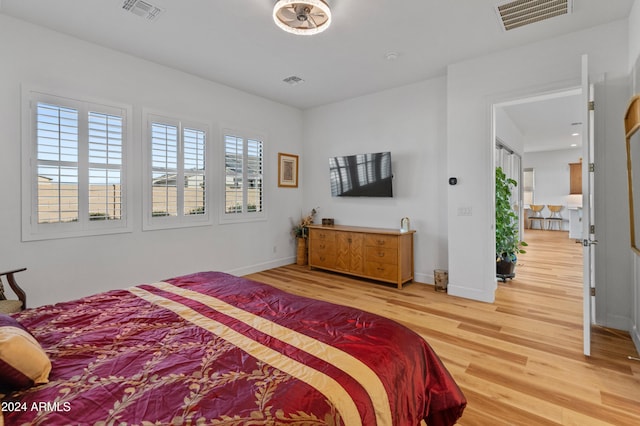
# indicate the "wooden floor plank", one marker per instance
pixel 519 360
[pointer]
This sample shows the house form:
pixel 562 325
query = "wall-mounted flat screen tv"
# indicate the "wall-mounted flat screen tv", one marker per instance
pixel 361 175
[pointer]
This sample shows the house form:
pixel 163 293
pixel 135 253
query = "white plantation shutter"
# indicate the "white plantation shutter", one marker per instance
pixel 234 167
pixel 105 166
pixel 74 174
pixel 176 181
pixel 194 171
pixel 254 176
pixel 164 158
pixel 244 179
pixel 57 173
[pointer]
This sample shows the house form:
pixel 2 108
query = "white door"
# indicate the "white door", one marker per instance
pixel 588 231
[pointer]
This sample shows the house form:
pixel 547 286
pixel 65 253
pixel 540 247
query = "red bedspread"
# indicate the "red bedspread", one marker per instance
pixel 211 348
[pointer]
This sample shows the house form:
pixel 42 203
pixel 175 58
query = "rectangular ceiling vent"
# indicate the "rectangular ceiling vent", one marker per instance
pixel 142 9
pixel 518 13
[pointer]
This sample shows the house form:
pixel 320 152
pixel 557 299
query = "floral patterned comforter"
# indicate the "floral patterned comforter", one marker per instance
pixel 211 348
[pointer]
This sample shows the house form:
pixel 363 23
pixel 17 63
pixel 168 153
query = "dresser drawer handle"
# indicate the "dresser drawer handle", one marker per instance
pixel 381 242
pixel 380 254
pixel 323 246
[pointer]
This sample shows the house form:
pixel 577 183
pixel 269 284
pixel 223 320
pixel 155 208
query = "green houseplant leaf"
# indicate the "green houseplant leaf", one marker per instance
pixel 508 243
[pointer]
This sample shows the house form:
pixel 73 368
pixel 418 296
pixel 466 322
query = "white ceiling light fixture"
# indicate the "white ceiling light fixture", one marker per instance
pixel 302 17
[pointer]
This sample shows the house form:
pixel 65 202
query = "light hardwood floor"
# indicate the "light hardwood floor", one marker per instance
pixel 519 360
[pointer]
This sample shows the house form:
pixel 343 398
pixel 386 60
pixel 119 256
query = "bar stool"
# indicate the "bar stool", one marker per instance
pixel 536 215
pixel 555 218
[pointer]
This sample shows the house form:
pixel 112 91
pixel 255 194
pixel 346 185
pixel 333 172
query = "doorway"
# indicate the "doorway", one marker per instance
pixel 544 130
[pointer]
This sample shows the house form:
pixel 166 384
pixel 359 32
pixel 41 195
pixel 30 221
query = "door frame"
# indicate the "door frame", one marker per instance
pixel 569 89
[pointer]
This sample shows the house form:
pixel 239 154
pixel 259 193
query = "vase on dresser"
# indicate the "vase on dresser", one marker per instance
pixel 301 252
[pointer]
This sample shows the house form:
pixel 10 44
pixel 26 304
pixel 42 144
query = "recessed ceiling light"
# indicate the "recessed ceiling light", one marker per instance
pixel 575 134
pixel 574 144
pixel 293 80
pixel 391 56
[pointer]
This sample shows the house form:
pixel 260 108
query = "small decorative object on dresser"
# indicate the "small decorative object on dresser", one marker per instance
pixel 405 224
pixel 375 253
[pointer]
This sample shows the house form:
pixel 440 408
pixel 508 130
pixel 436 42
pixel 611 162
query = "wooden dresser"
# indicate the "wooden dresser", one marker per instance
pixel 375 253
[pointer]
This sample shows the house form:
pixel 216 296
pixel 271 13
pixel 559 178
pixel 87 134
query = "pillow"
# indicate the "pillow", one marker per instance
pixel 23 363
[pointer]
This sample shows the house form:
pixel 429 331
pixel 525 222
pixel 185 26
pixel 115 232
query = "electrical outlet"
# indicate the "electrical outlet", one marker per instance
pixel 464 211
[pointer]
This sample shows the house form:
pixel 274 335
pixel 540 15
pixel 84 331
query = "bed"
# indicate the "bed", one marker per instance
pixel 212 348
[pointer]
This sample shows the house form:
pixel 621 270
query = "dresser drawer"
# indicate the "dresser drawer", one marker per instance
pixel 378 240
pixel 382 271
pixel 381 255
pixel 322 246
pixel 322 259
pixel 319 235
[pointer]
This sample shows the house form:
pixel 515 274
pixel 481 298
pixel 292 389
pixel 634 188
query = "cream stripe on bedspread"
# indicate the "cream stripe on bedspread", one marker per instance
pixel 325 384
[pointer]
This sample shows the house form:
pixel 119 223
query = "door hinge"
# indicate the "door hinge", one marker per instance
pixel 592 167
pixel 592 229
pixel 593 291
pixel 592 106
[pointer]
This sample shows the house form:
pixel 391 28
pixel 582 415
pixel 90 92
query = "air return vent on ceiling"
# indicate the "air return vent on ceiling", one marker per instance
pixel 142 9
pixel 518 13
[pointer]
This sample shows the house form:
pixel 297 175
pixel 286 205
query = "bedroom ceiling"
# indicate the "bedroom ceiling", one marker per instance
pixel 371 45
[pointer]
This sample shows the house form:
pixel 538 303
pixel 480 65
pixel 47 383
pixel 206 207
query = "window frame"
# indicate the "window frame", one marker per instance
pixel 244 216
pixel 31 229
pixel 151 222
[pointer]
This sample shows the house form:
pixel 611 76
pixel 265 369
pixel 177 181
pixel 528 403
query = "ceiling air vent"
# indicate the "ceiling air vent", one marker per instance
pixel 518 13
pixel 142 9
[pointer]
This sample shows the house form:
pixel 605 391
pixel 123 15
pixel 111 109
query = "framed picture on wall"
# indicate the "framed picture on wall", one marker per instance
pixel 287 170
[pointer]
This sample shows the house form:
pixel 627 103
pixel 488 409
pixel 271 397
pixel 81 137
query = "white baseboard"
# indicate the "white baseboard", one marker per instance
pixel 423 278
pixel 252 269
pixel 635 336
pixel 618 322
pixel 471 293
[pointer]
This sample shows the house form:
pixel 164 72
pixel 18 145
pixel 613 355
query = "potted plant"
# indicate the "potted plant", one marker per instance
pixel 508 243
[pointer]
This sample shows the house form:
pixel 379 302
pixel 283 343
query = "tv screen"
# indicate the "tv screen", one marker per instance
pixel 362 175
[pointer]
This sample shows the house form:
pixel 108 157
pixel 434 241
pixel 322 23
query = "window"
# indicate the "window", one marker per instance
pixel 176 179
pixel 528 186
pixel 243 184
pixel 74 182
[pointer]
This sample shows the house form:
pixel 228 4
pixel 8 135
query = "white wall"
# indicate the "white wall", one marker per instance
pixel 408 121
pixel 507 132
pixel 634 39
pixel 551 171
pixel 69 268
pixel 634 64
pixel 473 86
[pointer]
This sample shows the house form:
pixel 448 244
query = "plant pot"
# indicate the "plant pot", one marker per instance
pixel 505 268
pixel 301 253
